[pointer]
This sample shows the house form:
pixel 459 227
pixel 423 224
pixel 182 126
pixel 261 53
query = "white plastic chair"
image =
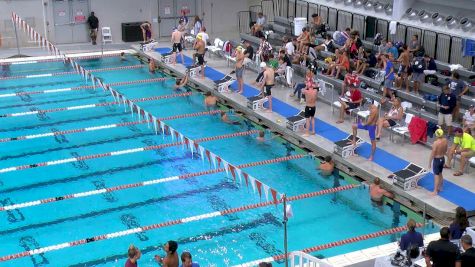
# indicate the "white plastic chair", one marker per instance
pixel 106 35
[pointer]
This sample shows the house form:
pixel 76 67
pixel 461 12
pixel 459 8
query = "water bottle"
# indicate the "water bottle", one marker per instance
pixel 423 105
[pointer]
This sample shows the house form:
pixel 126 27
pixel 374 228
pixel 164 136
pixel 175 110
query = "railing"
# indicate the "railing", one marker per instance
pixel 300 259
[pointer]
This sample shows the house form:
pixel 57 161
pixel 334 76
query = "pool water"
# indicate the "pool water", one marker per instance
pixel 221 241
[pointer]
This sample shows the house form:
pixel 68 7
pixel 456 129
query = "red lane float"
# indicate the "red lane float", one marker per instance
pixel 144 183
pixel 107 126
pixel 68 72
pixel 159 225
pixel 87 106
pixel 123 152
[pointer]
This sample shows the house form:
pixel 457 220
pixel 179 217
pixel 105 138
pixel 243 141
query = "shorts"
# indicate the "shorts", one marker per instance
pixel 239 72
pixel 93 33
pixel 201 59
pixel 403 69
pixel 148 34
pixel 438 165
pixel 309 112
pixel 391 122
pixel 370 128
pixel 447 118
pixel 418 77
pixel 388 83
pixel 268 89
pixel 352 106
pixel 177 47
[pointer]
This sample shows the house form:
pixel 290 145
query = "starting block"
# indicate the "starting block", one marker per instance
pixel 256 102
pixel 223 84
pixel 408 177
pixel 167 58
pixel 297 122
pixel 345 149
pixel 193 71
pixel 148 46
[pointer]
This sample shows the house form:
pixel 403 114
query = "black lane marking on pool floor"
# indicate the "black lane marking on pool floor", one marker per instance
pixel 56 149
pixel 30 243
pixel 67 100
pixel 35 126
pixel 92 174
pixel 266 218
pixel 217 187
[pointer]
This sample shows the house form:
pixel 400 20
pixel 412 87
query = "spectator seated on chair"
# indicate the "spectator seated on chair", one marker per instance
pixel 259 25
pixel 302 40
pixel 341 64
pixel 354 101
pixel 351 79
pixel 361 61
pixel 391 118
pixel 464 145
pixel 469 120
pixel 328 45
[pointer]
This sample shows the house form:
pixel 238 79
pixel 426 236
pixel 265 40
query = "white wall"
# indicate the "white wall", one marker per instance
pixel 221 16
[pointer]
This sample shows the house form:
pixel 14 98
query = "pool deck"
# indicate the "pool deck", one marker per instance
pixel 419 199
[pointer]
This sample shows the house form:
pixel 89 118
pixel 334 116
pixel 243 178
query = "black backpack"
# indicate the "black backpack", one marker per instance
pixel 378 38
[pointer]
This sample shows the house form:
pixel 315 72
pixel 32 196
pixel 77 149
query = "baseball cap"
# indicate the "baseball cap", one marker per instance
pixel 263 65
pixel 439 133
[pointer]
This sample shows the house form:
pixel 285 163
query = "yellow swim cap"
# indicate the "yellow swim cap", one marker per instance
pixel 239 48
pixel 199 36
pixel 439 133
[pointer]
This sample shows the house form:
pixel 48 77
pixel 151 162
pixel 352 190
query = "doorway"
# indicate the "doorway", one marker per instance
pixel 70 21
pixel 169 12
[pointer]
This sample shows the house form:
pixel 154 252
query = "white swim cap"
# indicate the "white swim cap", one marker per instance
pixel 263 65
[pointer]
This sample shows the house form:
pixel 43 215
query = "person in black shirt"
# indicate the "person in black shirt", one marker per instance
pixel 249 52
pixel 447 103
pixel 93 22
pixel 286 58
pixel 442 252
pixel 468 258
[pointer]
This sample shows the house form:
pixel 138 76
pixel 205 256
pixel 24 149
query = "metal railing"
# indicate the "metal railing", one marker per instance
pixel 300 259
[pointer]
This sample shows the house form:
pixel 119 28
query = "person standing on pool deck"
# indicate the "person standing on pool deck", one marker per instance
pixel 93 22
pixel 311 95
pixel 240 68
pixel 437 159
pixel 133 256
pixel 146 31
pixel 200 48
pixel 266 87
pixel 171 259
pixel 370 126
pixel 176 47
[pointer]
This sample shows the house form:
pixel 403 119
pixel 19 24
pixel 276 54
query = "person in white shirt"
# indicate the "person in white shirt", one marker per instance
pixel 204 35
pixel 290 47
pixel 469 120
pixel 259 25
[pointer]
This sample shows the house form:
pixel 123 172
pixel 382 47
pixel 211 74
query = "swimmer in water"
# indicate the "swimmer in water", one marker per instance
pixel 225 119
pixel 180 83
pixel 327 166
pixel 122 56
pixel 376 192
pixel 210 101
pixel 261 136
pixel 151 66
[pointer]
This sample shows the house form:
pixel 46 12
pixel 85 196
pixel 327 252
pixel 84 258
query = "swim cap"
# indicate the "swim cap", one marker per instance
pixel 439 133
pixel 199 36
pixel 239 48
pixel 263 65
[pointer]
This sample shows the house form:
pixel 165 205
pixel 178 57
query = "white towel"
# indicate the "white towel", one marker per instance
pixel 392 27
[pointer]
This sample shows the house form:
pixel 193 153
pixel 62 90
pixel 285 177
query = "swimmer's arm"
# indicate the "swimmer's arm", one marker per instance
pixel 431 158
pixel 387 193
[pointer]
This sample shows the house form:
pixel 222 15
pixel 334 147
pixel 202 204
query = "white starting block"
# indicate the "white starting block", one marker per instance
pixel 297 122
pixel 408 177
pixel 223 85
pixel 193 71
pixel 149 46
pixel 345 148
pixel 167 58
pixel 256 102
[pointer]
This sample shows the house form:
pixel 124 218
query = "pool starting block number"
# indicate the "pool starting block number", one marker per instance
pixel 167 58
pixel 223 85
pixel 345 148
pixel 193 71
pixel 149 46
pixel 256 102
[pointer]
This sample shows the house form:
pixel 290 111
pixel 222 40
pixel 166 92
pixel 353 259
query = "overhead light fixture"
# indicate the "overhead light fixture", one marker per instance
pixel 348 2
pixel 411 13
pixel 358 3
pixel 437 19
pixel 338 1
pixel 466 24
pixel 368 4
pixel 451 22
pixel 388 8
pixel 378 7
pixel 424 16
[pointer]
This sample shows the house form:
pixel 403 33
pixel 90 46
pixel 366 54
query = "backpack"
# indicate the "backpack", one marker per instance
pixel 418 65
pixel 339 38
pixel 398 44
pixel 377 39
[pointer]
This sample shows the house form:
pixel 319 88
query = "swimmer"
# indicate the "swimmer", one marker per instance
pixel 151 66
pixel 180 83
pixel 210 101
pixel 122 56
pixel 176 45
pixel 266 87
pixel 376 192
pixel 225 119
pixel 437 159
pixel 200 48
pixel 171 259
pixel 186 260
pixel 261 136
pixel 239 68
pixel 133 256
pixel 327 166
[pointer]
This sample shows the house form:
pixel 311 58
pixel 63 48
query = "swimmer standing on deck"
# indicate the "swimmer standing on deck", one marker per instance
pixel 176 45
pixel 437 160
pixel 269 81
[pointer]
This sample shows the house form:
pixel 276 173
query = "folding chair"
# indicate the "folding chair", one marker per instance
pixel 106 35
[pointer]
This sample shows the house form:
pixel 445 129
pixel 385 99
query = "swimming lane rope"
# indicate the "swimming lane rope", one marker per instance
pixel 331 245
pixel 50 91
pixel 68 72
pixel 144 183
pixel 87 106
pixel 123 152
pixel 166 224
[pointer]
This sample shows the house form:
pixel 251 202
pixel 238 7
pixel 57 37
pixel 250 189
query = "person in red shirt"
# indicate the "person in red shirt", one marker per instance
pixel 352 102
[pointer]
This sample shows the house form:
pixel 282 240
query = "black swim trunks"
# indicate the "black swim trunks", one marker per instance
pixel 177 47
pixel 391 122
pixel 268 88
pixel 438 165
pixel 309 112
pixel 201 59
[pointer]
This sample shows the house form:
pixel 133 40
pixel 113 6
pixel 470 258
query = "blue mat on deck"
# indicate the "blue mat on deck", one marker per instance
pixel 452 192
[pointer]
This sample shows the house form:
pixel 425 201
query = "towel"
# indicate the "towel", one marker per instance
pixel 392 27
